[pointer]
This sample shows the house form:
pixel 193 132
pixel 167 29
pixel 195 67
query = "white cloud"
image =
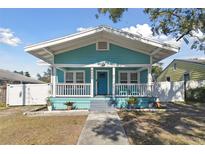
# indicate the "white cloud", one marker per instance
pixel 146 31
pixel 8 37
pixel 80 29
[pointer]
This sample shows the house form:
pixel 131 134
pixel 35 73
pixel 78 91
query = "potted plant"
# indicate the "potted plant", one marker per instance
pixel 49 104
pixel 69 105
pixel 131 102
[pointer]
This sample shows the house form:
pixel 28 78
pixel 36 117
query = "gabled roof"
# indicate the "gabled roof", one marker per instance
pixel 195 60
pixel 6 75
pixel 47 49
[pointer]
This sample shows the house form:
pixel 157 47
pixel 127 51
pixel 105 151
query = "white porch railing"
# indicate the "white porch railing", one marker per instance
pixel 133 89
pixel 69 89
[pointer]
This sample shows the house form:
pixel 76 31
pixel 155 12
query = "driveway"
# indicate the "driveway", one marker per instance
pixel 103 128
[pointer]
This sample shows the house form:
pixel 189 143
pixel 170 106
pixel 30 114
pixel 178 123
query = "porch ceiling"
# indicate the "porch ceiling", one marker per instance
pixel 46 50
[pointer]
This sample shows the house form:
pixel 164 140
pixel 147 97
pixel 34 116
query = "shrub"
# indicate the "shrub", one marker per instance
pixel 196 95
pixel 2 104
pixel 132 100
pixel 69 103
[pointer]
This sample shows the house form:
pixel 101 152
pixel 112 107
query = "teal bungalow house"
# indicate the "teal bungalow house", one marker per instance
pixel 100 64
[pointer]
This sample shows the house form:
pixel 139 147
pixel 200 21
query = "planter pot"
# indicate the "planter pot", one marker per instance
pixel 69 107
pixel 49 108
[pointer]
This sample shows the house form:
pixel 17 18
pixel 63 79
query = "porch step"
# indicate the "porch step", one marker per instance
pixel 101 106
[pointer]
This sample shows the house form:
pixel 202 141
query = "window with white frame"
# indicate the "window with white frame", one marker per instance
pixel 123 77
pixel 133 77
pixel 75 77
pixel 128 77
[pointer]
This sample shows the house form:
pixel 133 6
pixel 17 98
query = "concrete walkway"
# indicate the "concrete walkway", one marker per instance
pixel 103 128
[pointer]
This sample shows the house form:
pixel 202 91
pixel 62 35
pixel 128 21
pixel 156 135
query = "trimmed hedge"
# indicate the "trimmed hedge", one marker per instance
pixel 196 95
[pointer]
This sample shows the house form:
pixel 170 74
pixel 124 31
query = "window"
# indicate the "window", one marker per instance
pixel 133 77
pixel 128 77
pixel 75 77
pixel 102 45
pixel 79 77
pixel 175 67
pixel 69 77
pixel 168 78
pixel 186 77
pixel 123 77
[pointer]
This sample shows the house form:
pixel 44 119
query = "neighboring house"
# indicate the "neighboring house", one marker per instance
pixel 7 77
pixel 184 69
pixel 11 77
pixel 100 62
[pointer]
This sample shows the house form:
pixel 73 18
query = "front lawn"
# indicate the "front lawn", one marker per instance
pixel 19 129
pixel 185 126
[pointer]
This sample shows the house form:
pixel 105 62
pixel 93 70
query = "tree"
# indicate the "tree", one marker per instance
pixel 23 73
pixel 179 23
pixel 46 76
pixel 27 74
pixel 156 71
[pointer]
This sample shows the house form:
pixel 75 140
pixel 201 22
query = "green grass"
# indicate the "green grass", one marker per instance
pixel 185 126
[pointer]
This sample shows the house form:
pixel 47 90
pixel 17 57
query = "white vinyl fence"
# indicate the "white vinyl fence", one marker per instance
pixel 169 91
pixel 27 94
pixel 195 84
pixel 36 94
pixel 174 91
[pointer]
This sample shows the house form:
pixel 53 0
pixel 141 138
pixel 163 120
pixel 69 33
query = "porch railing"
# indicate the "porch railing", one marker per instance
pixel 133 89
pixel 69 89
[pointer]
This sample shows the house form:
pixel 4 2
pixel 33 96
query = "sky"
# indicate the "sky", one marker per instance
pixel 22 27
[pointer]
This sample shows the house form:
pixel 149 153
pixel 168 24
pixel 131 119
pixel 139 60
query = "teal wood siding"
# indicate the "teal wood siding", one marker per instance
pixel 60 75
pixel 89 55
pixel 143 76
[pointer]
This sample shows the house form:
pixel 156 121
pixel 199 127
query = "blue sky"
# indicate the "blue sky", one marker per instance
pixel 36 25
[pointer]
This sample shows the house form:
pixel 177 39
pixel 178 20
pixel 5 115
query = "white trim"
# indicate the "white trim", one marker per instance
pixel 54 81
pixel 106 66
pixel 92 82
pixel 124 39
pixel 100 29
pixel 156 51
pixel 142 69
pixel 108 80
pixel 113 81
pixel 128 75
pixel 74 75
pixel 108 45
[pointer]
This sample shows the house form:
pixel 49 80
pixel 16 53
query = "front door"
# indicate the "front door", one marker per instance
pixel 102 83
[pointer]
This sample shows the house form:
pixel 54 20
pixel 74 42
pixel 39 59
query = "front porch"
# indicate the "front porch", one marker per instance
pixel 101 79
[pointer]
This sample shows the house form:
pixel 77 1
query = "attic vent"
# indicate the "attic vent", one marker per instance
pixel 102 45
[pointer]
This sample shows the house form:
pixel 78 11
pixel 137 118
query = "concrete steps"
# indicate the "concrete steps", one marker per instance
pixel 101 106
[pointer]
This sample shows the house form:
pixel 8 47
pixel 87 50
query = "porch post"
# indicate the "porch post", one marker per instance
pixel 113 82
pixel 54 81
pixel 91 82
pixel 149 76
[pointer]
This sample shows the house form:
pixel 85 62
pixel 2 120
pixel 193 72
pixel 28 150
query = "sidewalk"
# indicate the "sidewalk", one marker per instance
pixel 103 128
